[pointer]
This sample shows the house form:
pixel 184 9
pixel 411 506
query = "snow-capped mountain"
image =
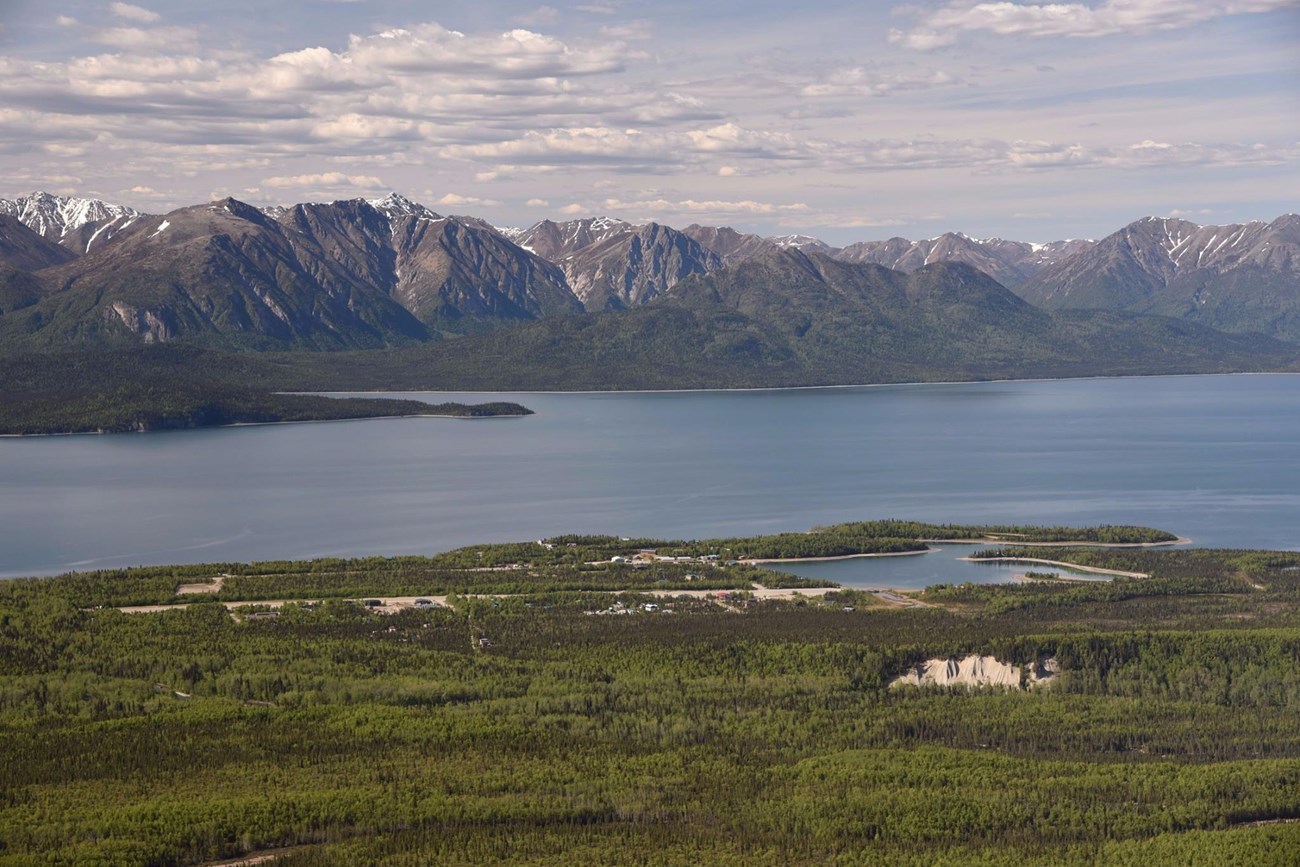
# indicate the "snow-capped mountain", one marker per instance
pixel 397 205
pixel 74 222
pixel 337 275
pixel 1011 263
pixel 803 243
pixel 610 263
pixel 1238 277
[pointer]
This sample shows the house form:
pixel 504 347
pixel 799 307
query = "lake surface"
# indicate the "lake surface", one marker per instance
pixel 1215 458
pixel 943 564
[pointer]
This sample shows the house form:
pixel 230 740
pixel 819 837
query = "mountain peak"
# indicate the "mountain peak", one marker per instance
pixel 396 205
pixel 801 242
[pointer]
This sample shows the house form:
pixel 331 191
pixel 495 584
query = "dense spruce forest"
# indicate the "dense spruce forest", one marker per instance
pixel 724 728
pixel 109 391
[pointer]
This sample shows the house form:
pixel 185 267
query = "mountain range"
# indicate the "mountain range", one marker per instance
pixel 1240 277
pixel 785 318
pixel 390 272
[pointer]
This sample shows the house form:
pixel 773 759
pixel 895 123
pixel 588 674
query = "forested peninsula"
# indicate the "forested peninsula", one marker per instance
pixel 608 700
pixel 143 390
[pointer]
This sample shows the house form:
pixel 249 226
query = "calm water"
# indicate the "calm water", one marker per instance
pixel 943 564
pixel 1216 458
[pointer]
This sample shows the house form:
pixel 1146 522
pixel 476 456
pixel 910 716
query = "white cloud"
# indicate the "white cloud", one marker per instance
pixel 456 200
pixel 134 13
pixel 160 39
pixel 658 208
pixel 361 127
pixel 537 203
pixel 325 179
pixel 516 53
pixel 857 81
pixel 66 21
pixel 1110 18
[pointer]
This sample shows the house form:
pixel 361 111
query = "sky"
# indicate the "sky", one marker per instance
pixel 842 120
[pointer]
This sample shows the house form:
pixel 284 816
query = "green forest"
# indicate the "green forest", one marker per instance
pixel 715 728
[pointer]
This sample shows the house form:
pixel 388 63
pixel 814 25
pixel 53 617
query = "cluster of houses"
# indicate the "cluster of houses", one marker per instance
pixel 649 556
pixel 618 608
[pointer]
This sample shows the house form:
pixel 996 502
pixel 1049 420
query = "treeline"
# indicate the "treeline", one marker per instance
pixel 1103 535
pixel 861 537
pixel 1278 571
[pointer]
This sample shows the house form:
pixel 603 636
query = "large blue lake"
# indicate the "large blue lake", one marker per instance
pixel 1215 458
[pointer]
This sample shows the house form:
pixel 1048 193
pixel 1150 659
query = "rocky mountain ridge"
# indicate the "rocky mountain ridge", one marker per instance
pixel 1238 277
pixel 344 275
pixel 390 270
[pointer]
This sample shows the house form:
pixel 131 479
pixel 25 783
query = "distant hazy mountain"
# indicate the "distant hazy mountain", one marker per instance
pixel 789 318
pixel 1241 277
pixel 803 243
pixel 611 264
pixel 1011 263
pixel 729 245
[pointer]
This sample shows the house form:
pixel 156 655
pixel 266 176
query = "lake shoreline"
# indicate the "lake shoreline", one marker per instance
pixel 1119 573
pixel 104 433
pixel 799 387
pixel 836 557
pixel 1181 540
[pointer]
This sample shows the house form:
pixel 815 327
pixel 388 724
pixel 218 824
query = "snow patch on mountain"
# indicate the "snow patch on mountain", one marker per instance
pixel 54 217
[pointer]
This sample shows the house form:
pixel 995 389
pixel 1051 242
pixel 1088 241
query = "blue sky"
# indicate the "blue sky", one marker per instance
pixel 848 121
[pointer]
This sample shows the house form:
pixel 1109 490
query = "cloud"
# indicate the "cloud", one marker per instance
pixel 537 203
pixel 834 219
pixel 660 208
pixel 1079 20
pixel 325 179
pixel 862 82
pixel 159 39
pixel 456 200
pixel 1155 154
pixel 66 21
pixel 516 53
pixel 134 13
pixel 611 147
